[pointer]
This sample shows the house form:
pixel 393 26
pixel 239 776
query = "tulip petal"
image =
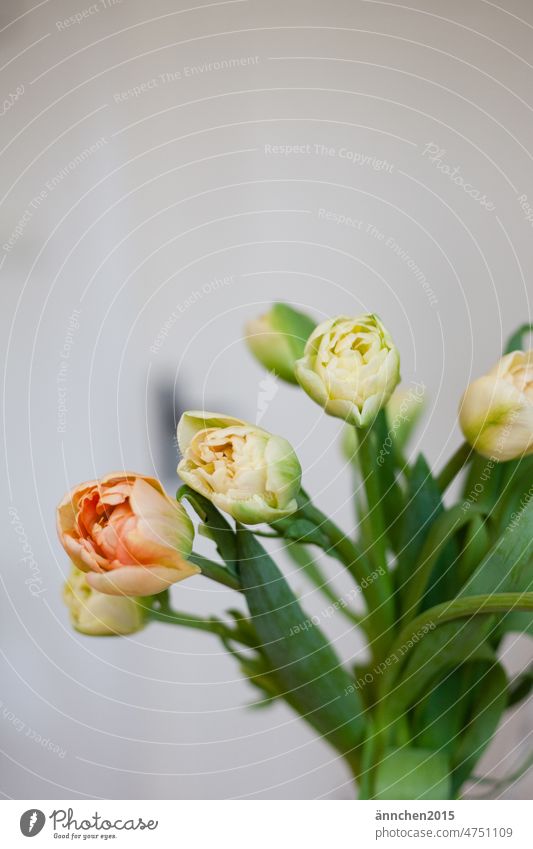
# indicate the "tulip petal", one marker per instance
pixel 254 510
pixel 107 615
pixel 350 367
pixel 310 382
pixel 244 470
pixel 194 421
pixel 284 472
pixel 344 410
pixel 162 521
pixel 140 580
pixel 82 554
pixel 496 418
pixel 100 614
pixel 126 521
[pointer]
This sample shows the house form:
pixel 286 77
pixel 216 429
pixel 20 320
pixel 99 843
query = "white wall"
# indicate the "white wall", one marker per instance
pixel 185 189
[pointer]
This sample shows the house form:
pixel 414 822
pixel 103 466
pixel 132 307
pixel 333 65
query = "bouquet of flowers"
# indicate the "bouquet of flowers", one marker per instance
pixel 440 583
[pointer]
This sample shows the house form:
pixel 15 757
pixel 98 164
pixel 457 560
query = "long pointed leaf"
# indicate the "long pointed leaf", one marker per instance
pixel 516 341
pixel 508 567
pixel 216 526
pixel 310 674
pixel 437 643
pixel 423 506
pixel 442 531
pixel 488 700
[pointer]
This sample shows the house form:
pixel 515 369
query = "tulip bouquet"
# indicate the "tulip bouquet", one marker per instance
pixel 439 581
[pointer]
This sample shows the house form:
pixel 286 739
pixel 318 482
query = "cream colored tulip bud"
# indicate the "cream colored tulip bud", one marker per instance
pixel 496 413
pixel 350 367
pixel 244 470
pixel 127 534
pixel 99 614
pixel 277 339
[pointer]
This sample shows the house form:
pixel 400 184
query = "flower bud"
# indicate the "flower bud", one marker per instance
pixel 277 339
pixel 350 367
pixel 244 470
pixel 496 413
pixel 127 534
pixel 100 614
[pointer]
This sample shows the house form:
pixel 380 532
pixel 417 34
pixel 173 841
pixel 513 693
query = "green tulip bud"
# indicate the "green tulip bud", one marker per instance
pixel 277 339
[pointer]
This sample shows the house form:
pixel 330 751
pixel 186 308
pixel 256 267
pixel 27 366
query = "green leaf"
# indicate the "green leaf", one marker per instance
pixel 423 505
pixel 296 326
pixel 477 543
pixel 215 571
pixel 434 643
pixel 436 653
pixel 310 675
pixel 442 531
pixel 301 530
pixel 460 715
pixel 438 718
pixel 487 703
pixel 216 526
pixel 505 569
pixel 391 495
pixel 243 630
pixel 515 342
pixel 409 773
pixel 516 490
pixel 483 482
pixel 256 668
pixel 444 581
pixel 517 623
pixel 508 567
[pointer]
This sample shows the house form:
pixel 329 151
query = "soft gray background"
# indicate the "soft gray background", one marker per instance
pixel 182 191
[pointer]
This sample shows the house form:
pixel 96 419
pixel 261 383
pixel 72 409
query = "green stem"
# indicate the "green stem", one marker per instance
pixel 301 556
pixel 373 497
pixel 344 548
pixel 215 571
pixel 378 539
pixel 176 617
pixel 380 616
pixel 340 544
pixel 454 465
